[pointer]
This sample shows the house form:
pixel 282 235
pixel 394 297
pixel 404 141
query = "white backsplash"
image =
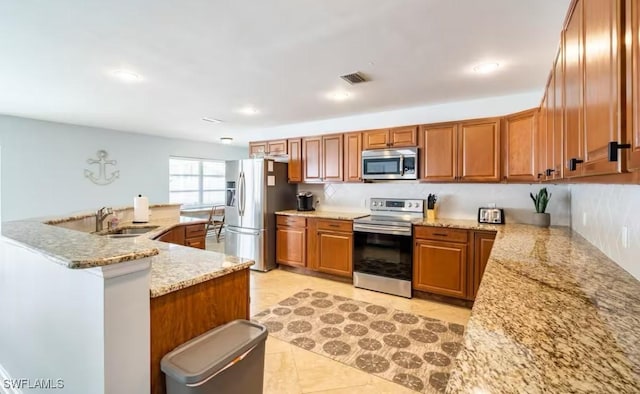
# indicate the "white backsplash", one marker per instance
pixel 608 209
pixel 456 201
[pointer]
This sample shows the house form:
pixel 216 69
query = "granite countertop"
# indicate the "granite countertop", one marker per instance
pixel 458 223
pixel 324 214
pixel 173 267
pixel 553 314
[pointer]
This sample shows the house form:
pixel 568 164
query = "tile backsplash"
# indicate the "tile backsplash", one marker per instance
pixel 599 213
pixel 456 201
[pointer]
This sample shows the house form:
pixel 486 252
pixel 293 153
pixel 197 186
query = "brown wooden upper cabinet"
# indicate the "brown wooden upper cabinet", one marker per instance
pixel 479 150
pixel 439 153
pixel 295 160
pixel 573 51
pixel 554 127
pixel 276 147
pixel 390 138
pixel 541 138
pixel 520 147
pixel 353 157
pixel 322 158
pixel 633 84
pixel 602 91
pixel 257 148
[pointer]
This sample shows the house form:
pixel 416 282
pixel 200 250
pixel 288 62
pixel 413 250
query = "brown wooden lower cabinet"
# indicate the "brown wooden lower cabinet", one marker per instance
pixel 323 245
pixel 335 252
pixel 184 314
pixel 482 245
pixel 291 246
pixel 450 262
pixel 440 267
pixel 193 235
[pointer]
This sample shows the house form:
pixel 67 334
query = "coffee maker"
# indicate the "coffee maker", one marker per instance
pixel 305 201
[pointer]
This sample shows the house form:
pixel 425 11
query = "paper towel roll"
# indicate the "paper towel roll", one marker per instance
pixel 140 209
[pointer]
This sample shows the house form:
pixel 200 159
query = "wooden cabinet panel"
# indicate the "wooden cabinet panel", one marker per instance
pixel 195 242
pixel 335 253
pixel 295 160
pixel 439 152
pixel 291 246
pixel 335 225
pixel 332 154
pixel 194 231
pixel 353 157
pixel 173 236
pixel 403 136
pixel 441 234
pixel 257 148
pixel 375 139
pixel 633 84
pixel 541 138
pixel 483 242
pixel 440 267
pixel 312 244
pixel 601 84
pixel 479 151
pixel 291 221
pixel 278 147
pixel 520 151
pixel 558 118
pixel 312 159
pixel 573 50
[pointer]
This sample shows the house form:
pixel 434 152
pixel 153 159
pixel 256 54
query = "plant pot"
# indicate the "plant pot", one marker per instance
pixel 541 219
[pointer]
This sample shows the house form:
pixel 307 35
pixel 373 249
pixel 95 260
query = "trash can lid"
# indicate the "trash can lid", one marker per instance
pixel 203 356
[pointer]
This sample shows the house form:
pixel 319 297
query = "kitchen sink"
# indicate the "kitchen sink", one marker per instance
pixel 129 232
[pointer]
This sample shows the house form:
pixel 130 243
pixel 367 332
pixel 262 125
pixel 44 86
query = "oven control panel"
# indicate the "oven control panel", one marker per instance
pixel 398 205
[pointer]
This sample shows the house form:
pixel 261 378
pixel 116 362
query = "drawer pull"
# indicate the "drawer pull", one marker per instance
pixel 334 225
pixel 441 234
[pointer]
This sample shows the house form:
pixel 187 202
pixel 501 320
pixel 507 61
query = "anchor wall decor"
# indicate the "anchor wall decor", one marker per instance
pixel 102 162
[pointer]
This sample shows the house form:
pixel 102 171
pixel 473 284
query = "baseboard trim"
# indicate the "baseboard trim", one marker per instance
pixel 4 376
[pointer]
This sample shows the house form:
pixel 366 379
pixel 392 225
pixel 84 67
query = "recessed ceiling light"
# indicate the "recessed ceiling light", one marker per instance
pixel 126 75
pixel 339 96
pixel 485 68
pixel 226 140
pixel 212 120
pixel 249 111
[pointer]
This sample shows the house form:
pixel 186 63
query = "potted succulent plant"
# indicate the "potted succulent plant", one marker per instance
pixel 540 201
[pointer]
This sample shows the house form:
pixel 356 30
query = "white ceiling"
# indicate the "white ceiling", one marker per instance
pixel 211 57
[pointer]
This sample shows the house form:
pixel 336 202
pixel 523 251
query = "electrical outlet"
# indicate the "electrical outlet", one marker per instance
pixel 491 205
pixel 625 237
pixel 584 218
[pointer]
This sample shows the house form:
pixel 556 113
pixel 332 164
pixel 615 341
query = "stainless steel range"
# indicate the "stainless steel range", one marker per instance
pixel 382 252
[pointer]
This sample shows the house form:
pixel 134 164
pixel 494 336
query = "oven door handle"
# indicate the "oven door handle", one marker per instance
pixel 382 229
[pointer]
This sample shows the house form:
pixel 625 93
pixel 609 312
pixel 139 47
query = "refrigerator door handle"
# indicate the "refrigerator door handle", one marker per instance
pixel 232 231
pixel 244 193
pixel 239 198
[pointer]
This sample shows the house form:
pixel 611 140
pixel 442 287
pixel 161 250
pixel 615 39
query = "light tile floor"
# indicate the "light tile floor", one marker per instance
pixel 289 369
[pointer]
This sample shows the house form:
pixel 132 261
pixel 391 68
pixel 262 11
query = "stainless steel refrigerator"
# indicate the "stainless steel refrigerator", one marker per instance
pixel 255 189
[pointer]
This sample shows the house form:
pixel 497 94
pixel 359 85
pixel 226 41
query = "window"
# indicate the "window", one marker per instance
pixel 195 182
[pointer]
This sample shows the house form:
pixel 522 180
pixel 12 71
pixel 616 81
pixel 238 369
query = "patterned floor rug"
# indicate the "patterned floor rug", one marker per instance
pixel 412 350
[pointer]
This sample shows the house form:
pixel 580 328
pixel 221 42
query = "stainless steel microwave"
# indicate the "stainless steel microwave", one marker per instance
pixel 379 164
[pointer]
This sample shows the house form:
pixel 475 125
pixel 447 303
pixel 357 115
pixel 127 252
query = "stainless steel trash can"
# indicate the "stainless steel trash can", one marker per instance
pixel 227 359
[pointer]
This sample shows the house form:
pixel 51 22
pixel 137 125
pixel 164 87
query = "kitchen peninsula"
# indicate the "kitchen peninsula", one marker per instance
pixel 142 297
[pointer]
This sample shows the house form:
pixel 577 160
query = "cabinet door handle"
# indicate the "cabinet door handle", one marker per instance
pixel 333 225
pixel 549 171
pixel 573 163
pixel 614 146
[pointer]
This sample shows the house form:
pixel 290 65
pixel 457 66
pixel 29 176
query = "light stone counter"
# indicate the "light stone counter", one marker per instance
pixel 552 315
pixel 324 214
pixel 173 267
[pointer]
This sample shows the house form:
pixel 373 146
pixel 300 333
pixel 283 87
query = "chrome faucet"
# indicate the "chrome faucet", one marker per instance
pixel 101 215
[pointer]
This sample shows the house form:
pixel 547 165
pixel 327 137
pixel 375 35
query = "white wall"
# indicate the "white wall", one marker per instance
pixel 456 201
pixel 43 166
pixel 460 110
pixel 608 209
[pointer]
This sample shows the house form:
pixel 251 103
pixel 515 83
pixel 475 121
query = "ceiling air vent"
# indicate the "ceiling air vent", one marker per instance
pixel 354 78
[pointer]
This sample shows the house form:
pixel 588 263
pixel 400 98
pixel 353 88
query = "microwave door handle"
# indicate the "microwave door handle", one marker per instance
pixel 402 165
